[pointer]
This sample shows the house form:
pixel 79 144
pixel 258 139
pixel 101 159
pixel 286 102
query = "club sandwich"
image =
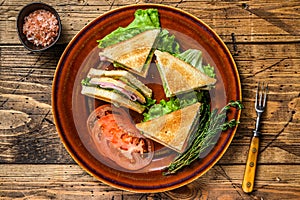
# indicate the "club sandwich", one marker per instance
pixel 119 87
pixel 134 54
pixel 178 76
pixel 172 130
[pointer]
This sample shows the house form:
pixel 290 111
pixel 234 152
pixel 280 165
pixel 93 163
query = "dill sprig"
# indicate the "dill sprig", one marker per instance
pixel 210 125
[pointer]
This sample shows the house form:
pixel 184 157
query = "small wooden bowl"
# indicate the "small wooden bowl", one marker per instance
pixel 25 11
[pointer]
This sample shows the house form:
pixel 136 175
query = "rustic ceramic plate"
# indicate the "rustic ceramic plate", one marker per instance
pixel 71 109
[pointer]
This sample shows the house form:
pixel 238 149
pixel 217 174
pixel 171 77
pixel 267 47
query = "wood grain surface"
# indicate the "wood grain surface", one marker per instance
pixel 264 39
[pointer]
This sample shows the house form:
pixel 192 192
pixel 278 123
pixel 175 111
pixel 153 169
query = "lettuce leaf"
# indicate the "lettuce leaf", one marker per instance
pixel 209 70
pixel 144 20
pixel 194 58
pixel 174 103
pixel 164 107
pixel 167 42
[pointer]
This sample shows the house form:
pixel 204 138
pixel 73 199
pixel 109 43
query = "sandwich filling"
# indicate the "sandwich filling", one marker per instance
pixel 118 87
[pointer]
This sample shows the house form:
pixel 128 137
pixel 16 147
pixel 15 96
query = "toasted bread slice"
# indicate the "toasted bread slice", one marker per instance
pixel 173 129
pixel 134 54
pixel 178 76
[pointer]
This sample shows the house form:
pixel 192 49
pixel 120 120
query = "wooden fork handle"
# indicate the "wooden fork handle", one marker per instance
pixel 250 169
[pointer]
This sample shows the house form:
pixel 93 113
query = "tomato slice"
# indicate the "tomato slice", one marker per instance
pixel 116 138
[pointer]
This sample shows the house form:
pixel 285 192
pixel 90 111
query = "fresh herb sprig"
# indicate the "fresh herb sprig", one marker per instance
pixel 210 125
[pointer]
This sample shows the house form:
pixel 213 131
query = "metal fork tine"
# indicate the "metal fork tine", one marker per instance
pixel 256 96
pixel 260 94
pixel 265 94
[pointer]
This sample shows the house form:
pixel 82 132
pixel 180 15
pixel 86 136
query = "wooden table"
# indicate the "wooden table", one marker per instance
pixel 264 39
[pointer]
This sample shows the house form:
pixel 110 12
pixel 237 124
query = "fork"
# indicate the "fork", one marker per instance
pixel 260 105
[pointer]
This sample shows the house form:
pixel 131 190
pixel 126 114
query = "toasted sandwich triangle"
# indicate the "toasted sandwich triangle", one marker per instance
pixel 178 76
pixel 173 129
pixel 133 54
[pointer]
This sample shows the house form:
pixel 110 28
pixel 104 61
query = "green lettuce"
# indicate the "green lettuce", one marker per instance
pixel 144 20
pixel 194 58
pixel 209 70
pixel 167 42
pixel 174 103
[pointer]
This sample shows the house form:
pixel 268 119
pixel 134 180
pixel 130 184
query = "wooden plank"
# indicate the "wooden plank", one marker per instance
pixel 280 21
pixel 27 130
pixel 71 182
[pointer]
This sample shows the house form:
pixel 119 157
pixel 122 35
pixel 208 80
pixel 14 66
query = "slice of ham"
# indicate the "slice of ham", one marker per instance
pixel 107 85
